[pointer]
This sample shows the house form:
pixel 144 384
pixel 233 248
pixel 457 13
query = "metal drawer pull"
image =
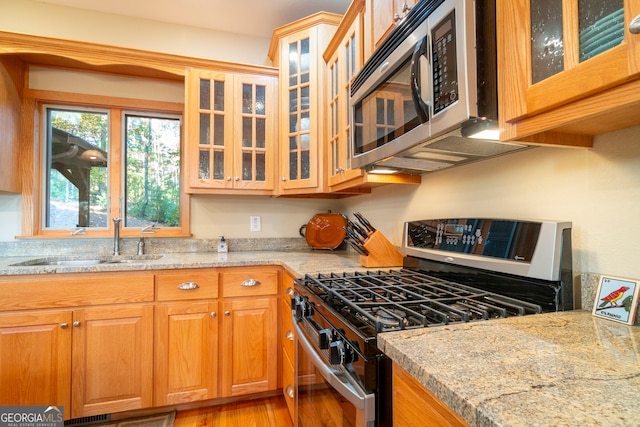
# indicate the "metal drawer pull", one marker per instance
pixel 289 291
pixel 76 324
pixel 289 391
pixel 64 325
pixel 187 286
pixel 226 313
pixel 213 314
pixel 634 25
pixel 250 282
pixel 289 335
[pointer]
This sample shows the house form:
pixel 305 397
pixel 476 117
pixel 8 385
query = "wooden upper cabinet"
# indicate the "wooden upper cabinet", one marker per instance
pixel 385 14
pixel 12 72
pixel 230 132
pixel 297 48
pixel 569 67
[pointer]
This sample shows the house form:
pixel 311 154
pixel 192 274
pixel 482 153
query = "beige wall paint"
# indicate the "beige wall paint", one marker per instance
pixel 598 190
pixel 44 19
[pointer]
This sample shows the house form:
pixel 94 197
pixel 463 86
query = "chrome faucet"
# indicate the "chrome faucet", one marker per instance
pixel 116 236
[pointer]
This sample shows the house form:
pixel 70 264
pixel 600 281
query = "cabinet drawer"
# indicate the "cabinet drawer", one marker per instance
pixel 287 286
pixel 187 284
pixel 73 290
pixel 287 329
pixel 288 384
pixel 243 282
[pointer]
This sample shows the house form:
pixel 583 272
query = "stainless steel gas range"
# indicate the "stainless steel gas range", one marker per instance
pixel 455 270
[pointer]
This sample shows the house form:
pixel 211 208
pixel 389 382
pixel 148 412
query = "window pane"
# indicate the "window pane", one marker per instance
pixel 152 165
pixel 77 175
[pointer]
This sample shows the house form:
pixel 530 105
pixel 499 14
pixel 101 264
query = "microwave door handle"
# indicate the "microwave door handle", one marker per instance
pixel 350 391
pixel 421 49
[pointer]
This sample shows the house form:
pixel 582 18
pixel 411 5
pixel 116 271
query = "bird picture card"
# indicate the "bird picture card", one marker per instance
pixel 617 299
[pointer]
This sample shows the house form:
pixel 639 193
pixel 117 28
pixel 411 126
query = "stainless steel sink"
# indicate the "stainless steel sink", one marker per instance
pixel 77 261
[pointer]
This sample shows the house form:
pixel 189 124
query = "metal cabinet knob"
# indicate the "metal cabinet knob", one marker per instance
pixel 76 324
pixel 283 179
pixel 187 286
pixel 289 391
pixel 289 335
pixel 289 291
pixel 64 325
pixel 228 178
pixel 213 314
pixel 227 313
pixel 237 178
pixel 634 25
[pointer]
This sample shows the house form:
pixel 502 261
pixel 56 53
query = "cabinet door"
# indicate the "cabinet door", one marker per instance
pixel 35 359
pixel 299 113
pixel 249 346
pixel 209 129
pixel 555 52
pixel 186 352
pixel 385 16
pixel 112 359
pixel 255 133
pixel 343 66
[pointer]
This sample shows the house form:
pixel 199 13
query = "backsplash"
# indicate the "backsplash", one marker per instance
pixel 104 247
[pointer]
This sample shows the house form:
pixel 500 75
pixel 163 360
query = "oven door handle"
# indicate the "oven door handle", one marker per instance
pixel 349 390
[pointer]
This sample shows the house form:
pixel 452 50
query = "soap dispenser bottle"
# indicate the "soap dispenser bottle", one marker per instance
pixel 222 245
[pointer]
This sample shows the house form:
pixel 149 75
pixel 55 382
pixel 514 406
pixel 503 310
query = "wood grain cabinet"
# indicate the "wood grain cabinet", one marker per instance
pixel 231 132
pixel 412 402
pixel 91 360
pixel 249 331
pixel 12 78
pixel 384 15
pixel 568 67
pixel 297 49
pixel 287 339
pixel 186 325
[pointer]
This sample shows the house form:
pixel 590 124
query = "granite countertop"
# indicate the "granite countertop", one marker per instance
pixel 556 369
pixel 296 262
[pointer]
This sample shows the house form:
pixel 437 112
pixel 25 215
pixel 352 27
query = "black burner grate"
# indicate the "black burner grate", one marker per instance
pixel 401 299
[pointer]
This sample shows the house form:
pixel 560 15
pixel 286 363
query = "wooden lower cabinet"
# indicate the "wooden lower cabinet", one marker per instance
pixel 112 360
pixel 412 402
pixel 35 359
pixel 186 352
pixel 249 345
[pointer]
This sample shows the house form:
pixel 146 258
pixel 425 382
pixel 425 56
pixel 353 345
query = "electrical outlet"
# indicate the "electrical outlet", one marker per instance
pixel 255 223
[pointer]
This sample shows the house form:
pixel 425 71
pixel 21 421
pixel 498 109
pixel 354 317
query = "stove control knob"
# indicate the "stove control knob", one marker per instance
pixel 324 338
pixel 341 354
pixel 302 308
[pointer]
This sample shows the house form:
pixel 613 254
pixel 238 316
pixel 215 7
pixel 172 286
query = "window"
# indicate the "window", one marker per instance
pixel 104 163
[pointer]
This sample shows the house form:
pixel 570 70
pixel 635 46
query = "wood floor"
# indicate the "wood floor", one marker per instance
pixel 267 412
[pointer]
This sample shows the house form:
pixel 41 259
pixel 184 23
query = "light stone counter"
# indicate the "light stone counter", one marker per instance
pixel 558 369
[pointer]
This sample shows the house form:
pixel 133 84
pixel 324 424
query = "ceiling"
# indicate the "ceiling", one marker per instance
pixel 256 18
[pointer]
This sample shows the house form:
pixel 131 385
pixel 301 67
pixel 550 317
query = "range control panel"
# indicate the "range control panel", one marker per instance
pixel 506 239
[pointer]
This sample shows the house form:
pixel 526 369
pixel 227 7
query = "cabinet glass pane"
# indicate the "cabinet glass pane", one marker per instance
pixel 261 133
pixel 247 99
pixel 205 94
pixel 304 98
pixel 547 45
pixel 204 166
pixel 293 61
pixel 600 26
pixel 218 95
pixel 305 141
pixel 305 165
pixel 305 57
pixel 293 143
pixel 247 166
pixel 293 100
pixel 304 121
pixel 218 164
pixel 205 129
pixel 218 130
pixel 293 165
pixel 261 167
pixel 261 99
pixel 247 132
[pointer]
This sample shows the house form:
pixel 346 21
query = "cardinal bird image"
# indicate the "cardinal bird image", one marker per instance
pixel 613 296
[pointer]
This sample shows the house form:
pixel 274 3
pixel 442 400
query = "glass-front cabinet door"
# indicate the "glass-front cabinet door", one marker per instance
pixel 231 131
pixel 576 48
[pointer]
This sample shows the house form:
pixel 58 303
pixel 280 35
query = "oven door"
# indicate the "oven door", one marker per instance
pixel 328 395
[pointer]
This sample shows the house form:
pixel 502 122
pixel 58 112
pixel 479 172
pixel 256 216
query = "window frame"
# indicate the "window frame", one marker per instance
pixel 34 197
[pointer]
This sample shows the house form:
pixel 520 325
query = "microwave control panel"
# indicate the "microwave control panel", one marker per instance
pixel 445 67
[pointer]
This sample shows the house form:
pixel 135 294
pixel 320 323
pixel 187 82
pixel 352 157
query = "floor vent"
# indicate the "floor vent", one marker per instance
pixel 87 421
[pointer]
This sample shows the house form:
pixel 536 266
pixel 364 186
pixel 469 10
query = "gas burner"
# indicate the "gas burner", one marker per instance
pixel 390 316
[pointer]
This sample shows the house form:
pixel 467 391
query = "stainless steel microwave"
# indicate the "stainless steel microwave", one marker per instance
pixel 425 88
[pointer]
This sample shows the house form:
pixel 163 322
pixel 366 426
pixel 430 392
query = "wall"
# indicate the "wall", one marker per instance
pixel 44 19
pixel 598 190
